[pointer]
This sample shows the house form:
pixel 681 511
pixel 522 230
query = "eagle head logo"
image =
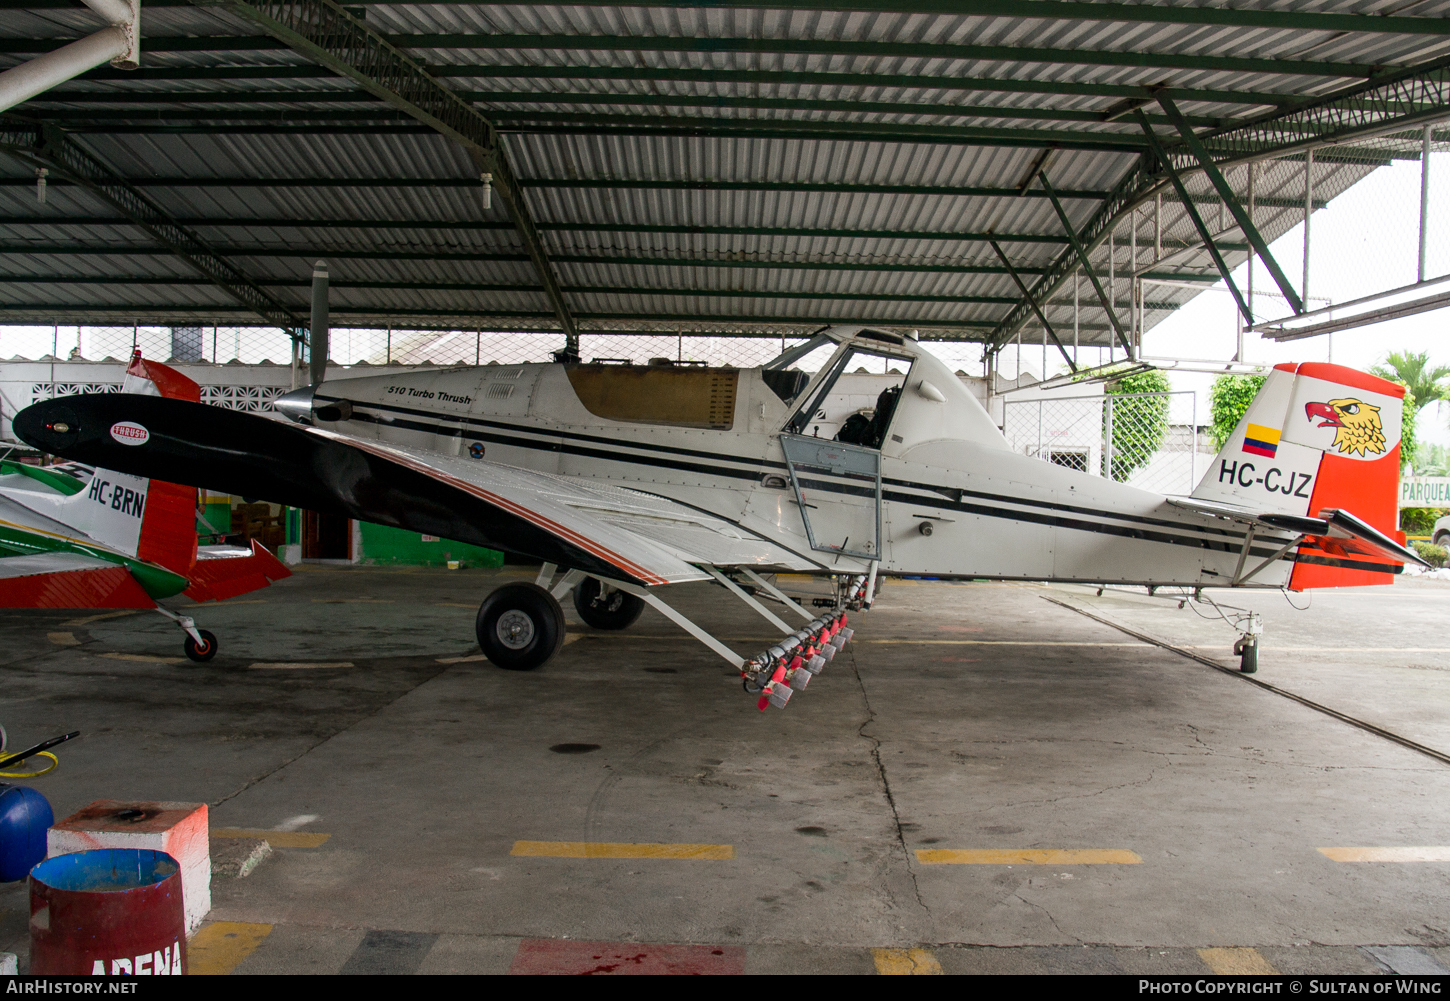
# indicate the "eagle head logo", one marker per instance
pixel 1356 425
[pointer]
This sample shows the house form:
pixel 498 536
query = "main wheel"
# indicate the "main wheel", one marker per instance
pixel 520 626
pixel 1249 658
pixel 615 610
pixel 203 651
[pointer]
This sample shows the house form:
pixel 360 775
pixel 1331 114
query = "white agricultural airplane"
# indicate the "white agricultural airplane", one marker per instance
pixel 634 478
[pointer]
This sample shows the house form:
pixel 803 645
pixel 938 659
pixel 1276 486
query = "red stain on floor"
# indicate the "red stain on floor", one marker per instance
pixel 568 958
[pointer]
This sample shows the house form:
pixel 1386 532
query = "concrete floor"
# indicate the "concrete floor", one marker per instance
pixel 965 716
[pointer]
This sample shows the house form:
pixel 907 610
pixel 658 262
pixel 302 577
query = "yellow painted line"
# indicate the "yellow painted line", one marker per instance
pixel 219 948
pixel 63 639
pixel 905 962
pixel 1026 856
pixel 353 601
pixel 287 665
pixel 471 658
pixel 1431 853
pixel 277 839
pixel 452 604
pixel 610 849
pixel 144 658
pixel 1237 963
pixel 244 601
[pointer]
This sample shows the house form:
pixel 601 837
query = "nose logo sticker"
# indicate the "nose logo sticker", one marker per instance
pixel 130 433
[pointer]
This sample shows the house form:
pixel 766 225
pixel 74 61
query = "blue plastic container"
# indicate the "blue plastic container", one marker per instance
pixel 25 816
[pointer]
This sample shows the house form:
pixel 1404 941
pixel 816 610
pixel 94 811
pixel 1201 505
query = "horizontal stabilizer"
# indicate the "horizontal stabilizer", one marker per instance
pixel 223 572
pixel 68 580
pixel 1344 531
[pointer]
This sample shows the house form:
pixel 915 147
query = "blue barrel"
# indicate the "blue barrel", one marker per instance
pixel 110 911
pixel 25 816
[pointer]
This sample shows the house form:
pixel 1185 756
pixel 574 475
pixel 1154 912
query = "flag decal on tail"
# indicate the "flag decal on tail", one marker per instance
pixel 1259 440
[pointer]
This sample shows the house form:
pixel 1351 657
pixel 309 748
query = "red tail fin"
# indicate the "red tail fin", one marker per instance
pixel 1355 418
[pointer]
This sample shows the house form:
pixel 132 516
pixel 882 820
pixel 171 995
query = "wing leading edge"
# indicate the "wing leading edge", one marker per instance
pixel 595 528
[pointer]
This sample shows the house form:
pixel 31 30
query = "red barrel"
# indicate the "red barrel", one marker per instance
pixel 112 911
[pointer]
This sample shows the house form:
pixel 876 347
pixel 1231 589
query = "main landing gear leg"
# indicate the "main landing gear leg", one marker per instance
pixel 200 644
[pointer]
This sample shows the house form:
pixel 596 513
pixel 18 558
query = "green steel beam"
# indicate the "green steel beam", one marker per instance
pixel 225 99
pixel 764 78
pixel 326 34
pixel 1216 178
pixel 934 84
pixel 1027 295
pixel 594 258
pixel 1077 10
pixel 597 124
pixel 769 46
pixel 128 311
pixel 1199 224
pixel 47 147
pixel 611 184
pixel 1087 266
pixel 425 286
pixel 235 222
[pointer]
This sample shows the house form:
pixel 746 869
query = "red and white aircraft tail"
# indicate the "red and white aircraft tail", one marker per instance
pixel 1319 449
pixel 155 521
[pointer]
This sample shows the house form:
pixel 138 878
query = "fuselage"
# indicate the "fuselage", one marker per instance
pixel 955 501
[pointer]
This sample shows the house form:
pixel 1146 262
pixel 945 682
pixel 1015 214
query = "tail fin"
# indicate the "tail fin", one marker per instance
pixel 1318 437
pixel 152 520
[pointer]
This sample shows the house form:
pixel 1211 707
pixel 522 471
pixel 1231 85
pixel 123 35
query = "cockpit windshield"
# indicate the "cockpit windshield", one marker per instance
pixel 854 401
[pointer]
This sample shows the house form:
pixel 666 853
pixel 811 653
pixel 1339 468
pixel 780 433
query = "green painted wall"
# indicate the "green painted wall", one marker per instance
pixel 381 544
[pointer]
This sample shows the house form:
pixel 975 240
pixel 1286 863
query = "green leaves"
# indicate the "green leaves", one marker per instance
pixel 1228 398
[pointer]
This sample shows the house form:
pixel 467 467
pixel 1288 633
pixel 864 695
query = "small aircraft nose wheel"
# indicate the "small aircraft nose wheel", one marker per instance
pixel 1247 647
pixel 520 626
pixel 203 651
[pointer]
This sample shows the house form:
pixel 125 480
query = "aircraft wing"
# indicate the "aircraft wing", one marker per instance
pixel 603 530
pixel 68 580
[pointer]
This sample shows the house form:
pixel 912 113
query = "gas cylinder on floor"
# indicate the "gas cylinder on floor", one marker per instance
pixel 25 816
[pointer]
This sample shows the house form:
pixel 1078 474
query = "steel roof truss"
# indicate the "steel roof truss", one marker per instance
pixel 1226 192
pixel 1027 294
pixel 45 146
pixel 1198 223
pixel 325 33
pixel 1087 266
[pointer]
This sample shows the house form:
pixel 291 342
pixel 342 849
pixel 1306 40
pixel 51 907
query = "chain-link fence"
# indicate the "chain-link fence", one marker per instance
pixel 368 346
pixel 1148 440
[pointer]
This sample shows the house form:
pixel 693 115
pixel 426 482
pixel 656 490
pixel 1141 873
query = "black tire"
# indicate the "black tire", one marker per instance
pixel 617 610
pixel 1249 659
pixel 1443 539
pixel 520 626
pixel 204 652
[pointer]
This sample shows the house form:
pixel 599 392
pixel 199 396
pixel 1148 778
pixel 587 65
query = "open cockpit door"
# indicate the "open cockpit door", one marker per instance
pixel 838 489
pixel 832 445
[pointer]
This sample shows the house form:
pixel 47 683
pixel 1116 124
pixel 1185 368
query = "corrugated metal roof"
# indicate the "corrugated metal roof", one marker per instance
pixel 639 94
